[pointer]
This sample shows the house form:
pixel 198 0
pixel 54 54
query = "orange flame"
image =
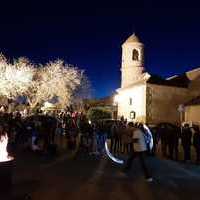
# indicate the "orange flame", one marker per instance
pixel 3 149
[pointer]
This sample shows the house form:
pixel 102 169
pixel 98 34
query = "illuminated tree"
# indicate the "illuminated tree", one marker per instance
pixel 16 78
pixel 56 80
pixel 42 83
pixel 82 92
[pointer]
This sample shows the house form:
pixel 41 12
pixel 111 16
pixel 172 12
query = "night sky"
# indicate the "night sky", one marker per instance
pixel 90 36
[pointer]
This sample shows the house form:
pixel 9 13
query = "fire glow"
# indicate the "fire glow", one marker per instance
pixel 4 157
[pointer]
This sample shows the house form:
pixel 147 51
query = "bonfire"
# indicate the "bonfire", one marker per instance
pixel 4 157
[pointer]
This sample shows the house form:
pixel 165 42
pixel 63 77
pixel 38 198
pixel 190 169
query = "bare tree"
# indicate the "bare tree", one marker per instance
pixel 56 80
pixel 42 83
pixel 16 78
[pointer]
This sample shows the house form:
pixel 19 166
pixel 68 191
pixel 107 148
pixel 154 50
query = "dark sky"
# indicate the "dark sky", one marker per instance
pixel 90 36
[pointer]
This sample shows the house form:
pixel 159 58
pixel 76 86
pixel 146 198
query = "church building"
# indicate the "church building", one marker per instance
pixel 149 98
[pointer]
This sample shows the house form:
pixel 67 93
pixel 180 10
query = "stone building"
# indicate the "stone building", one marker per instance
pixel 150 98
pixel 192 111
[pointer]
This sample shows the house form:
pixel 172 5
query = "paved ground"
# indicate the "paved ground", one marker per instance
pixel 66 177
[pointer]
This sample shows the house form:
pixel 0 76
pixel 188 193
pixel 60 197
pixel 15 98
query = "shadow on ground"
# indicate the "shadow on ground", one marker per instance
pixel 86 177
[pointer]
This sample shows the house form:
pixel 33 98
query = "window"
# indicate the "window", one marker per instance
pixel 132 115
pixel 135 55
pixel 130 101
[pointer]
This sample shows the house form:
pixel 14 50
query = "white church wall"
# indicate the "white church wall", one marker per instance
pixel 136 94
pixel 132 67
pixel 127 53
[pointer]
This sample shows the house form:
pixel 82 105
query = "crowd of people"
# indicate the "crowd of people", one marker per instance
pixel 180 138
pixel 46 133
pixel 169 140
pixel 25 132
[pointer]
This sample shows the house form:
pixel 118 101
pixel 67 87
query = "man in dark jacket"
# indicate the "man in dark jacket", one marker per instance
pixel 176 145
pixel 163 135
pixel 173 142
pixel 186 142
pixel 196 143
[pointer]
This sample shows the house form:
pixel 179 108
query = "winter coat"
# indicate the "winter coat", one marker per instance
pixel 186 137
pixel 196 140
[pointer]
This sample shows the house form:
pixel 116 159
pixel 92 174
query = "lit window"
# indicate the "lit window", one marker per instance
pixel 132 115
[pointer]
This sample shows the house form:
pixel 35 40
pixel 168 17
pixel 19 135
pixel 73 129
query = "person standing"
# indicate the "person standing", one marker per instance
pixel 117 138
pixel 186 142
pixel 139 150
pixel 34 140
pixel 173 142
pixel 102 137
pixel 176 144
pixel 196 143
pixel 94 150
pixel 163 135
pixel 127 137
pixel 113 135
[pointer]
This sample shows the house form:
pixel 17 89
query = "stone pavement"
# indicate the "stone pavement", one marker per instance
pixel 85 177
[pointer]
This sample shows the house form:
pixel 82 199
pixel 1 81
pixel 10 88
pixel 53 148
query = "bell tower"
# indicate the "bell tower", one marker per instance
pixel 132 67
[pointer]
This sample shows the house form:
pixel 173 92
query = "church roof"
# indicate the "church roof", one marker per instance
pixel 195 101
pixel 132 39
pixel 193 74
pixel 183 80
pixel 179 81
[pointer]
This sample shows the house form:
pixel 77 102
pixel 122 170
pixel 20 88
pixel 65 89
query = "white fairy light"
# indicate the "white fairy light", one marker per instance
pixel 42 83
pixel 15 78
pixel 56 80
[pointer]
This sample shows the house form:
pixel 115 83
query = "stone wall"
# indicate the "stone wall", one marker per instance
pixel 163 102
pixel 154 103
pixel 192 113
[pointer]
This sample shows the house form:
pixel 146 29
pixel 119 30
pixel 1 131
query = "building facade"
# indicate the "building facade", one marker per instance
pixel 192 111
pixel 148 98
